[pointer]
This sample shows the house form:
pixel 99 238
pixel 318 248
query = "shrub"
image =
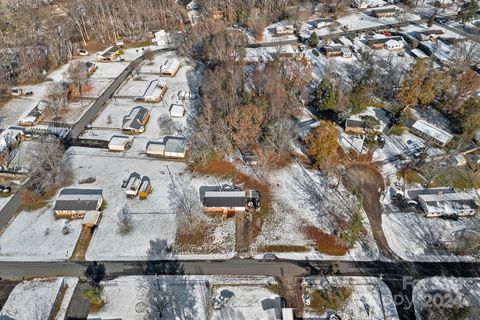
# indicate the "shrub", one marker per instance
pixel 94 296
pixel 333 299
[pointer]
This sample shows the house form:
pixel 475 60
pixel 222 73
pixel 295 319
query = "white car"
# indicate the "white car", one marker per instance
pixel 182 95
pixel 82 52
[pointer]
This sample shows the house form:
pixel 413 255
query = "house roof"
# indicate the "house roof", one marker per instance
pixel 177 110
pixel 431 31
pixel 135 118
pixel 354 123
pixel 175 144
pixel 382 40
pixel 119 141
pixel 155 148
pixel 432 131
pixel 392 42
pixel 384 10
pixel 222 199
pixel 448 202
pixel 170 66
pixel 72 199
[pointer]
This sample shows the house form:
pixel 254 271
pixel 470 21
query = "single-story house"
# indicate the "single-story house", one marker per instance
pixel 170 147
pixel 74 203
pixel 442 202
pixel 324 22
pixel 379 43
pixel 336 51
pixel 109 54
pixel 354 126
pixel 230 202
pixel 9 139
pixel 177 111
pixel 135 122
pixel 393 44
pixel 417 53
pixel 170 68
pixel 118 143
pixel 431 34
pixel 431 133
pixel 282 30
pixel 32 116
pixel 154 92
pixel 145 188
pixel 383 12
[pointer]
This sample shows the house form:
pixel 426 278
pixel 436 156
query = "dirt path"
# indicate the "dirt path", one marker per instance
pixel 369 182
pixel 291 291
pixel 82 244
pixel 243 233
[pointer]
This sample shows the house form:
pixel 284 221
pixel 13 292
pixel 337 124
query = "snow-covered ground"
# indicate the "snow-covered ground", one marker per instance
pixel 370 298
pixel 188 297
pixel 154 219
pixel 109 121
pixel 37 235
pixel 36 299
pixel 302 198
pixel 446 293
pixel 417 238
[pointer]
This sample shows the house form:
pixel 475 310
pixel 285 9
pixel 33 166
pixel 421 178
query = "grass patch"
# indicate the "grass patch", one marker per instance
pixel 195 236
pixel 410 176
pixel 326 243
pixel 334 299
pixel 275 288
pixel 281 248
pixel 458 178
pixel 397 130
pixel 137 44
pixel 94 296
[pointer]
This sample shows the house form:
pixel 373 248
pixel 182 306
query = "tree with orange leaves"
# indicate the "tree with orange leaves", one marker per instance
pixel 246 124
pixel 322 144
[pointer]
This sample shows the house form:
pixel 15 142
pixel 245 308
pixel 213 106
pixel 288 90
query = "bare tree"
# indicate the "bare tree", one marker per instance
pixel 166 125
pixel 77 72
pixel 124 219
pixel 148 55
pixel 184 198
pixel 57 96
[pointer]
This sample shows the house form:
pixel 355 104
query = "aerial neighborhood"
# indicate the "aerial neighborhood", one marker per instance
pixel 212 159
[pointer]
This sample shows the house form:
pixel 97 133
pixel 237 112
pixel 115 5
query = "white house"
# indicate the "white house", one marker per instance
pixel 170 147
pixel 324 22
pixel 393 45
pixel 32 116
pixel 118 143
pixel 161 38
pixel 441 202
pixel 170 68
pixel 282 30
pixel 154 92
pixel 431 133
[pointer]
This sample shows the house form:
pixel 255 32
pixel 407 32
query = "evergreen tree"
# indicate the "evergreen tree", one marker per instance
pixel 324 96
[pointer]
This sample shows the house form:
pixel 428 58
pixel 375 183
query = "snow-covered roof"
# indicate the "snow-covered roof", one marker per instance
pixel 170 66
pixel 135 119
pixel 448 203
pixel 419 53
pixel 392 43
pixel 177 110
pixel 432 131
pixel 118 141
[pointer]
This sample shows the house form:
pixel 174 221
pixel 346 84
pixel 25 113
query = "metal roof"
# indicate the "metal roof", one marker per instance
pixel 78 199
pixel 222 199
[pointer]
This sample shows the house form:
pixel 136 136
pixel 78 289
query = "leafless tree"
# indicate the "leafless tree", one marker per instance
pixel 166 125
pixel 184 198
pixel 57 96
pixel 124 219
pixel 148 55
pixel 77 72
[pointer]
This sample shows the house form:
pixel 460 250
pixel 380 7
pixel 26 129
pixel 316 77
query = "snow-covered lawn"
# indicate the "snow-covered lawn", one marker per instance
pixel 301 198
pixel 36 299
pixel 417 238
pixel 370 298
pixel 361 20
pixel 446 293
pixel 189 297
pixel 154 219
pixel 37 235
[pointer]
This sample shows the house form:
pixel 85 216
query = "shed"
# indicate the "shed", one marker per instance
pixel 145 188
pixel 175 147
pixel 177 111
pixel 393 44
pixel 118 143
pixel 33 115
pixel 133 184
pixel 431 133
pixel 155 149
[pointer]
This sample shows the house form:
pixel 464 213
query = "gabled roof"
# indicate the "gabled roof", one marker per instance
pixel 384 10
pixel 382 40
pixel 72 199
pixel 175 144
pixel 135 118
pixel 222 199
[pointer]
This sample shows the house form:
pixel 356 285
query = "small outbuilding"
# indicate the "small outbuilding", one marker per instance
pixel 177 111
pixel 119 143
pixel 170 147
pixel 91 219
pixel 109 54
pixel 431 133
pixel 133 185
pixel 145 188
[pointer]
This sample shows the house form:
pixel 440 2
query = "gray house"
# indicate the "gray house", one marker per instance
pixel 75 203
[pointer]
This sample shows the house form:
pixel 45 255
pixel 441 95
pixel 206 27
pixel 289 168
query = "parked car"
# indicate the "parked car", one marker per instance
pixel 315 52
pixel 82 52
pixel 16 91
